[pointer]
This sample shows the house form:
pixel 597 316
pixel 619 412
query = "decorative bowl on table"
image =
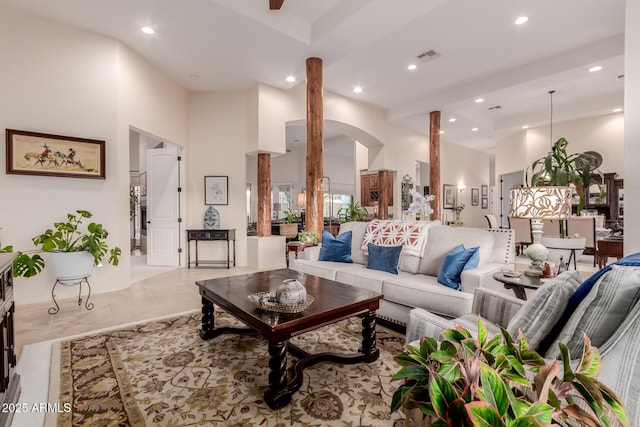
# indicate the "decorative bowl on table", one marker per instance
pixel 267 301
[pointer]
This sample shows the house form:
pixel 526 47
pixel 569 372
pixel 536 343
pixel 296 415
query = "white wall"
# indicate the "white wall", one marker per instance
pixel 60 80
pixel 460 165
pixel 218 134
pixel 632 128
pixel 603 134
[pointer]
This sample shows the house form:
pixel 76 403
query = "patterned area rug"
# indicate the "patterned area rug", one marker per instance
pixel 162 374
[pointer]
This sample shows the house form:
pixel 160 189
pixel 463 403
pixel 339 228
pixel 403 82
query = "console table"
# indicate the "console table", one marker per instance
pixel 9 380
pixel 228 235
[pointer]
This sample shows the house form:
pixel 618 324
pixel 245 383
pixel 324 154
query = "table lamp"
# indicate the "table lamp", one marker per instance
pixel 538 203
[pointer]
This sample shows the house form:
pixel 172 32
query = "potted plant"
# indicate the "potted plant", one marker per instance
pixel 308 237
pixel 66 240
pixel 559 168
pixel 466 381
pixel 289 227
pixel 353 212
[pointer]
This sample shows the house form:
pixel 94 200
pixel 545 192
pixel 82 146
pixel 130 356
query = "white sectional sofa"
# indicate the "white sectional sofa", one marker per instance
pixel 416 284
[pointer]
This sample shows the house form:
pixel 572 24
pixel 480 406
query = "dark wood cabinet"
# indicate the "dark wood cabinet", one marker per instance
pixel 376 185
pixel 10 380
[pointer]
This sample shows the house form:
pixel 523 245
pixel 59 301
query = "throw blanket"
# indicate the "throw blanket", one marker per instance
pixel 410 235
pixel 577 297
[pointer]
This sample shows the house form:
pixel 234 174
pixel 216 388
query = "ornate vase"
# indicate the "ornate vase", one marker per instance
pixel 291 292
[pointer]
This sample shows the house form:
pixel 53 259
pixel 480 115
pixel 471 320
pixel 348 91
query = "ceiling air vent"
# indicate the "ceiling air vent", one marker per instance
pixel 428 55
pixel 620 77
pixel 496 107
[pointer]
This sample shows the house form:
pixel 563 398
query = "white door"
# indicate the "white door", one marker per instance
pixel 162 207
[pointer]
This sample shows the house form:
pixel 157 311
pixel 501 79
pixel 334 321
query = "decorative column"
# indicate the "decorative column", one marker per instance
pixel 434 162
pixel 385 193
pixel 264 194
pixel 314 161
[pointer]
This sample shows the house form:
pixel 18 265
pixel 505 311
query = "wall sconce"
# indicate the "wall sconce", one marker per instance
pixel 461 187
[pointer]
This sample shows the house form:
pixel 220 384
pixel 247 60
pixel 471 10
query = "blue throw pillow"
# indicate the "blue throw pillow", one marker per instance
pixel 454 263
pixel 384 258
pixel 337 249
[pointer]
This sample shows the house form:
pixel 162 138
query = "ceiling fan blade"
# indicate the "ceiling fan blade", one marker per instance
pixel 275 4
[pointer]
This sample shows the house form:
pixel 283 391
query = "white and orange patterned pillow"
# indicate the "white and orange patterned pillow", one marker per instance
pixel 411 235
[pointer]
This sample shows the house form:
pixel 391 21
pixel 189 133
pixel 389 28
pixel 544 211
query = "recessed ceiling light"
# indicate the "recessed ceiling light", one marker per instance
pixel 474 129
pixel 441 132
pixel 412 67
pixel 521 20
pixel 617 110
pixel 596 68
pixel 452 119
pixel 479 100
pixel 147 30
pixel 525 127
pixel 357 89
pixel 291 79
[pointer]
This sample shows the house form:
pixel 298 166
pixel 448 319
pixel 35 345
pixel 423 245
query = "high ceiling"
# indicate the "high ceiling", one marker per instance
pixel 216 45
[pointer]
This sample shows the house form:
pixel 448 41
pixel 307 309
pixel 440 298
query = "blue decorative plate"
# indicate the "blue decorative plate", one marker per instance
pixel 212 219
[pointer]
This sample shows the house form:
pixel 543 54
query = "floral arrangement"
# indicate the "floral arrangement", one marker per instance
pixel 308 237
pixel 291 216
pixel 421 203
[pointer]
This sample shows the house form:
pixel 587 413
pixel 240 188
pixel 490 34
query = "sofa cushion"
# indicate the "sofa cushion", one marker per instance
pixel 324 269
pixel 411 263
pixel 384 258
pixel 336 249
pixel 602 310
pixel 454 262
pixel 408 234
pixel 540 313
pixel 361 277
pixel 419 290
pixel 357 228
pixel 441 239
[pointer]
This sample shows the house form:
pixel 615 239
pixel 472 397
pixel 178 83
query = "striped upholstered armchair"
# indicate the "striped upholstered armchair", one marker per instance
pixel 605 307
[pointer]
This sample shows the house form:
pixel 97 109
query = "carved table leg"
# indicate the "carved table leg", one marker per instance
pixel 277 395
pixel 369 349
pixel 207 331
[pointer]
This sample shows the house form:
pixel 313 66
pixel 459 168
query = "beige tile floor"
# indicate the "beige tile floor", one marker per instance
pixel 161 291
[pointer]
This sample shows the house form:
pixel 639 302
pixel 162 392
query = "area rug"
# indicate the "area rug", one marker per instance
pixel 162 374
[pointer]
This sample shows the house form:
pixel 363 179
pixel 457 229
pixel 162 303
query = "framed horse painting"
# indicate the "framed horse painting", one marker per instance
pixel 33 153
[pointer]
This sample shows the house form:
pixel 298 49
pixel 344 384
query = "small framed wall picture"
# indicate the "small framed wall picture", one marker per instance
pixel 485 203
pixel 475 196
pixel 216 190
pixel 485 190
pixel 450 196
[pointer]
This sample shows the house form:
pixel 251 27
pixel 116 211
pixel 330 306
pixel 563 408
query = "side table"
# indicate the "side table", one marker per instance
pixel 609 248
pixel 571 244
pixel 518 284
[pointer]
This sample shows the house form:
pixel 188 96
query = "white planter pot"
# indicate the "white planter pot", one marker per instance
pixel 69 266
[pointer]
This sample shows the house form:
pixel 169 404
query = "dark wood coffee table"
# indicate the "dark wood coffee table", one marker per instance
pixel 333 302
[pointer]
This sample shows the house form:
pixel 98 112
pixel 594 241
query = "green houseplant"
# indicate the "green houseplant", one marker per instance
pixel 289 227
pixel 559 168
pixel 66 237
pixel 308 237
pixel 353 212
pixel 467 381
